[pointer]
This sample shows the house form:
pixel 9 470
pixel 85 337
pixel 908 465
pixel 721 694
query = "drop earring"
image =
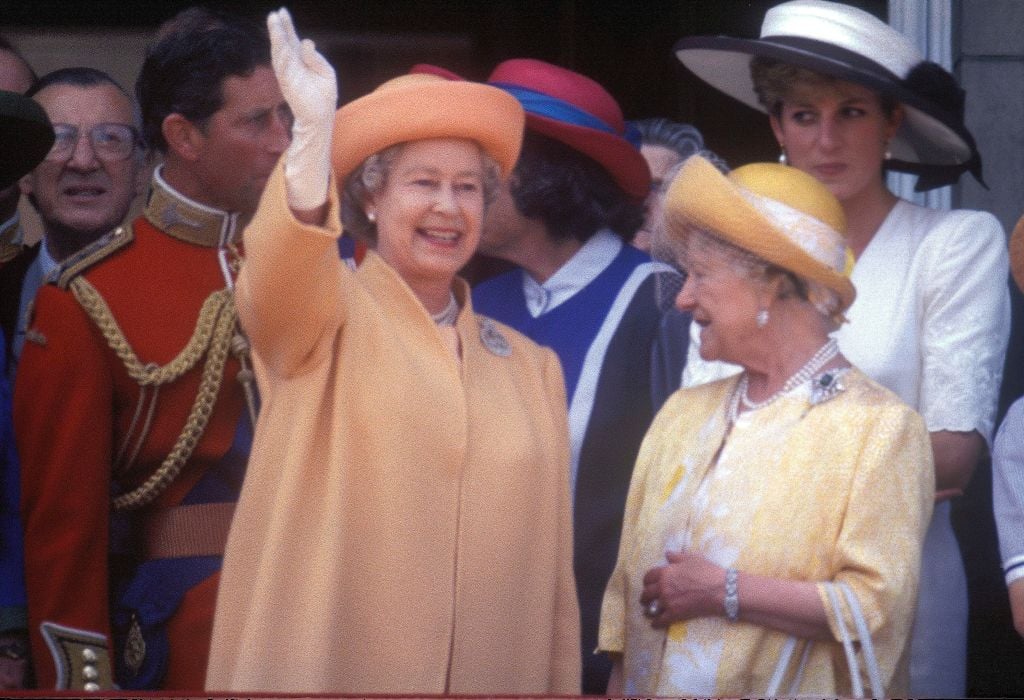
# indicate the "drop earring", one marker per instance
pixel 371 216
pixel 782 155
pixel 762 318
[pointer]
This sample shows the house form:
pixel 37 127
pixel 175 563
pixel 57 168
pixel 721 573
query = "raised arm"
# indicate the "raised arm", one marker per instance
pixel 290 288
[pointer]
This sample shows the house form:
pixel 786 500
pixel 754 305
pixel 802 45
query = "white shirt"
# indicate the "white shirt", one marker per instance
pixel 581 269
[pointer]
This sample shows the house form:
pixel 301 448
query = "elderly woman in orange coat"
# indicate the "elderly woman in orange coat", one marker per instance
pixel 405 521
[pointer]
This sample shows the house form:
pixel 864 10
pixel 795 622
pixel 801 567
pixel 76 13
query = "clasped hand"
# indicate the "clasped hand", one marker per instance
pixel 688 586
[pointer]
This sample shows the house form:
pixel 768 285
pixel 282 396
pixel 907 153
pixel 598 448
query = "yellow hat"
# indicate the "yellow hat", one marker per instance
pixel 421 106
pixel 778 213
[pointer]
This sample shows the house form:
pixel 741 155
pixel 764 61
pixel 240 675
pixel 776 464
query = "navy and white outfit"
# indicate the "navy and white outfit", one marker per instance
pixel 1008 491
pixel 599 313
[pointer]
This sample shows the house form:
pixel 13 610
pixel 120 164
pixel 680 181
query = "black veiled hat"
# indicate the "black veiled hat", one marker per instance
pixel 25 136
pixel 850 44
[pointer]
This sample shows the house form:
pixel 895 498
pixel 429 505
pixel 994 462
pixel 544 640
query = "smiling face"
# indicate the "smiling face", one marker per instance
pixel 429 210
pixel 82 194
pixel 838 132
pixel 723 300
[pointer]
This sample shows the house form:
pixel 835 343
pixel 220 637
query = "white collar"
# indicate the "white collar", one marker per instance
pixel 580 270
pixel 10 227
pixel 45 261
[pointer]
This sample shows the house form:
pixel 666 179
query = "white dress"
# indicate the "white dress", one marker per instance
pixel 931 322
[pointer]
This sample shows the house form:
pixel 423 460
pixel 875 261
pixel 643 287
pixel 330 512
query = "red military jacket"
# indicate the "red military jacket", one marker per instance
pixel 86 429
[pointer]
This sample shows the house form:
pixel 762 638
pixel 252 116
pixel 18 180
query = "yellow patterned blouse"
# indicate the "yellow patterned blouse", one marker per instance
pixel 833 490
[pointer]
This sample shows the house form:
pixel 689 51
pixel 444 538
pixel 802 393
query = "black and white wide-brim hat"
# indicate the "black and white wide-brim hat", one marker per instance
pixel 850 44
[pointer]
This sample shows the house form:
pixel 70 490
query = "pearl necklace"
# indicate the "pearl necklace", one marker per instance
pixel 818 360
pixel 447 315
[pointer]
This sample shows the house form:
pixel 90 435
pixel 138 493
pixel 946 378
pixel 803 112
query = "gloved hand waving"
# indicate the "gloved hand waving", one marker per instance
pixel 309 86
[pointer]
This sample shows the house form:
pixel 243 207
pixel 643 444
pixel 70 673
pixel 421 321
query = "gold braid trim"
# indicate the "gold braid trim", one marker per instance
pixel 151 374
pixel 212 337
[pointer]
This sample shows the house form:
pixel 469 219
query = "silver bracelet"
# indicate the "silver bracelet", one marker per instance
pixel 732 595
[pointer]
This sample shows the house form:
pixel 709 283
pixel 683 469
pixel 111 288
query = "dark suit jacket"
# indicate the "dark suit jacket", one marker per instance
pixel 12 274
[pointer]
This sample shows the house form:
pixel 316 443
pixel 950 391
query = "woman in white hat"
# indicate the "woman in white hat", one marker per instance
pixel 849 97
pixel 759 501
pixel 405 522
pixel 1008 473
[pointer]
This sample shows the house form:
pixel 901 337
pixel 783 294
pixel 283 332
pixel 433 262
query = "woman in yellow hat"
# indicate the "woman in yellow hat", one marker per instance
pixel 405 525
pixel 774 513
pixel 848 98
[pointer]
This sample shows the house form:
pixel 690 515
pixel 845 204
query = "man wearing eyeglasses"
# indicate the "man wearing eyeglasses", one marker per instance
pixel 134 399
pixel 84 187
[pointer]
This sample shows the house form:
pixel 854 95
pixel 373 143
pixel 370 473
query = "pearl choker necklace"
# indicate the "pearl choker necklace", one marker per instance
pixel 818 360
pixel 447 315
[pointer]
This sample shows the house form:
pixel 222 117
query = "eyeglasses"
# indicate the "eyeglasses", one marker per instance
pixel 109 141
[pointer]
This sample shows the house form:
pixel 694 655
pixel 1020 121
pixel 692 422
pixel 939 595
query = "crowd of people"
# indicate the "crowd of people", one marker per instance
pixel 700 437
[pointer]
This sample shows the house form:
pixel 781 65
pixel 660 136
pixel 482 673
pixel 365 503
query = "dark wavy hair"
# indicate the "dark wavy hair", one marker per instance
pixel 184 70
pixel 571 193
pixel 774 81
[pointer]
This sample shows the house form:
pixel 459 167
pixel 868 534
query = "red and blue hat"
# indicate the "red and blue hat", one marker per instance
pixel 575 110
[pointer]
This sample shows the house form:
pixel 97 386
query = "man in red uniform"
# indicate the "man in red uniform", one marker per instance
pixel 133 400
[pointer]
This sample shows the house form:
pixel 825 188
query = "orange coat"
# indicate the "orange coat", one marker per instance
pixel 405 523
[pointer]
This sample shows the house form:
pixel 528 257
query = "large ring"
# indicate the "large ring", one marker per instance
pixel 653 608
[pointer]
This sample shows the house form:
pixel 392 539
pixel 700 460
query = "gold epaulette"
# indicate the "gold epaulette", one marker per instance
pixel 100 249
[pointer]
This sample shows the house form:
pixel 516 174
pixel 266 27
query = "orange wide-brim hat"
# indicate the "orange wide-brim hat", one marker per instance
pixel 423 106
pixel 779 213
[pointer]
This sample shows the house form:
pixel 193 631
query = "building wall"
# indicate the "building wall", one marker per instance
pixel 991 70
pixel 989 51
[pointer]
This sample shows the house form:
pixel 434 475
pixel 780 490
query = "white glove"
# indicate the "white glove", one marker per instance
pixel 309 86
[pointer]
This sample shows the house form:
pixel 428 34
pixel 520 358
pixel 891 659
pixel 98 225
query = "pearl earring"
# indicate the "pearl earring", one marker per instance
pixel 762 318
pixel 371 217
pixel 782 156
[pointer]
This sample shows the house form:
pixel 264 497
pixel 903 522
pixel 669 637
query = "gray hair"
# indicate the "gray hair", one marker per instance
pixel 758 270
pixel 372 174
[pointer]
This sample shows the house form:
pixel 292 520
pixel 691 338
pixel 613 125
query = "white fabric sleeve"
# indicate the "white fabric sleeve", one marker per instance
pixel 1008 491
pixel 965 324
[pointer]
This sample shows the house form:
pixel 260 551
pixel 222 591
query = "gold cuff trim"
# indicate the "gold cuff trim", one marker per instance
pixel 81 658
